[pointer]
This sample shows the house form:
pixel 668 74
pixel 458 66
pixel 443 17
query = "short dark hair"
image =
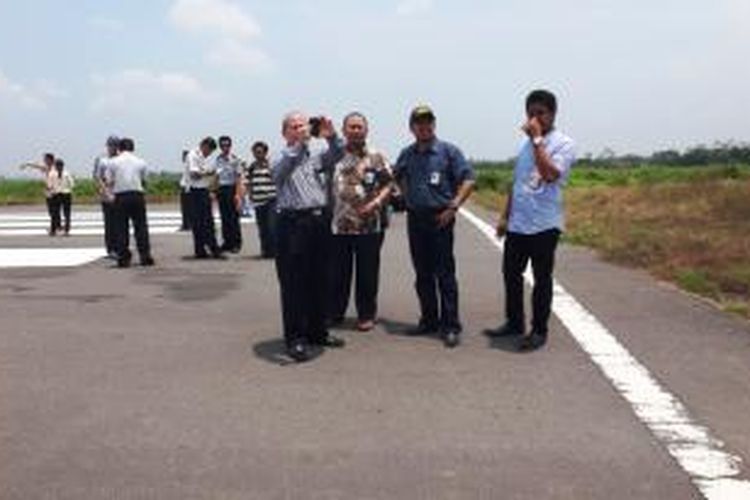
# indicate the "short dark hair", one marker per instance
pixel 49 156
pixel 59 163
pixel 224 139
pixel 209 142
pixel 127 144
pixel 260 144
pixel 543 97
pixel 355 114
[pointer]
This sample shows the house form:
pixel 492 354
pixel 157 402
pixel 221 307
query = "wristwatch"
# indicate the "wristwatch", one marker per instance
pixel 538 141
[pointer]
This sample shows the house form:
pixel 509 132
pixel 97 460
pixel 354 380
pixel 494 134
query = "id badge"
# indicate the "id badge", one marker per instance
pixel 435 179
pixel 369 178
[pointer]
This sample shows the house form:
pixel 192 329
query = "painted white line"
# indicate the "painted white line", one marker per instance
pixel 48 257
pixel 712 470
pixel 82 232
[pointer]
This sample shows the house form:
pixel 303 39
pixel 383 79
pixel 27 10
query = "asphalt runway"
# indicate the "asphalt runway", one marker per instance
pixel 171 383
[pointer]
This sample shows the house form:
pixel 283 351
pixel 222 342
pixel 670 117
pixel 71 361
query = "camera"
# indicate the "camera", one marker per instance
pixel 315 123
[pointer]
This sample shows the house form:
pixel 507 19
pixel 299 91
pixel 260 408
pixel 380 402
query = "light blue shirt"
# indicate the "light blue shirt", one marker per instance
pixel 228 168
pixel 537 205
pixel 302 173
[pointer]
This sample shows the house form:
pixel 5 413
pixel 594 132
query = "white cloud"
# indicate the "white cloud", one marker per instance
pixel 221 17
pixel 410 7
pixel 233 54
pixel 139 88
pixel 35 96
pixel 233 30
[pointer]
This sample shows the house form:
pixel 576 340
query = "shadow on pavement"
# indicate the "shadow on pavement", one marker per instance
pixel 507 344
pixel 401 329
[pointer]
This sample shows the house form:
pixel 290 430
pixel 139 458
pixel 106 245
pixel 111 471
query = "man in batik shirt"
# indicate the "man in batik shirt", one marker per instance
pixel 362 183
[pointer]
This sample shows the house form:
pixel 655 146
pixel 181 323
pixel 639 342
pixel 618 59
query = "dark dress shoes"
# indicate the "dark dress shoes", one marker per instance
pixel 532 342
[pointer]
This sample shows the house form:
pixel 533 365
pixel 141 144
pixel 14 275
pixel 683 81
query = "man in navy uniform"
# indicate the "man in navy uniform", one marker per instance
pixel 435 179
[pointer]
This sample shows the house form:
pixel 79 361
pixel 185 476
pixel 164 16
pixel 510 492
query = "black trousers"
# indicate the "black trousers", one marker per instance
pixel 519 250
pixel 360 252
pixel 303 240
pixel 204 232
pixel 231 233
pixel 131 207
pixel 431 250
pixel 265 219
pixel 60 206
pixel 50 201
pixel 108 216
pixel 185 210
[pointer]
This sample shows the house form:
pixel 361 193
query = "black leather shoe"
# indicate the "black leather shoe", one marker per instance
pixel 504 330
pixel 532 342
pixel 123 262
pixel 452 339
pixel 147 261
pixel 331 342
pixel 218 256
pixel 423 329
pixel 298 352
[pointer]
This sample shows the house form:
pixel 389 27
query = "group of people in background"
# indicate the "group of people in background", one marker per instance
pixel 58 192
pixel 322 207
pixel 230 180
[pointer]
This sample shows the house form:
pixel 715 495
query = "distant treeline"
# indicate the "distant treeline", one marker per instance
pixel 720 153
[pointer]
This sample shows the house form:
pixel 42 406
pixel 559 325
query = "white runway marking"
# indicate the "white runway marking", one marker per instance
pixel 712 470
pixel 89 223
pixel 48 257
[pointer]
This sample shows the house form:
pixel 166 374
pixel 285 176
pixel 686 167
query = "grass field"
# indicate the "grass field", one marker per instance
pixel 690 226
pixel 160 188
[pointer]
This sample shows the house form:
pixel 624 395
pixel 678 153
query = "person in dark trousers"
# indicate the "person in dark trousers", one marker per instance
pixel 229 169
pixel 301 172
pixel 186 224
pixel 47 169
pixel 533 219
pixel 435 179
pixel 362 183
pixel 106 198
pixel 201 173
pixel 61 186
pixel 126 177
pixel 263 196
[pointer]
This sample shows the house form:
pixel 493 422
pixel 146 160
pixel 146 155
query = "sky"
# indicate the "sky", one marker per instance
pixel 634 76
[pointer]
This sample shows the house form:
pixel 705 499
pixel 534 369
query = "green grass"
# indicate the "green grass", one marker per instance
pixel 162 187
pixel 687 225
pixel 498 177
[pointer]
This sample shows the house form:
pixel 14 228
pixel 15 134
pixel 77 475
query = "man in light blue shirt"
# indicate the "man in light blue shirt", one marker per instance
pixel 534 218
pixel 229 171
pixel 301 171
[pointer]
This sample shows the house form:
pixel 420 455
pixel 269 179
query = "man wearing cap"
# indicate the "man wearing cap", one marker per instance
pixel 229 171
pixel 534 219
pixel 106 197
pixel 435 179
pixel 201 173
pixel 301 172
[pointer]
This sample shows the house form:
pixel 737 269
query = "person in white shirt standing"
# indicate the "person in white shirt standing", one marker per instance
pixel 201 173
pixel 47 169
pixel 60 184
pixel 106 197
pixel 126 175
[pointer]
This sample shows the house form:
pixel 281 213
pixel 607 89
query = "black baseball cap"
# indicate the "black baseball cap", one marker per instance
pixel 421 113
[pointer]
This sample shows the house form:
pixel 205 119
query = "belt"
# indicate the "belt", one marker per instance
pixel 303 212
